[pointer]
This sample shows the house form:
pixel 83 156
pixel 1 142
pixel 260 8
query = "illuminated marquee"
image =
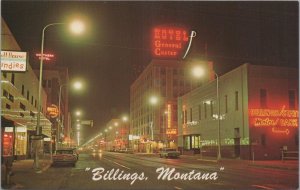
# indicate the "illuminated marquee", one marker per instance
pixel 273 117
pixel 168 42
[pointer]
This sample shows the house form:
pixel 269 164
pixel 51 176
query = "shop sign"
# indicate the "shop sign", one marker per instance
pixel 171 131
pixel 169 42
pixel 13 61
pixel 47 139
pixel 53 111
pixel 273 117
pixel 9 129
pixel 47 56
pixel 134 137
pixel 21 129
pixel 280 120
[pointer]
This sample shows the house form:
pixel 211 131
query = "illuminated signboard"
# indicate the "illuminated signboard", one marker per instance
pixel 279 119
pixel 171 131
pixel 169 116
pixel 46 56
pixel 13 61
pixel 169 42
pixel 53 111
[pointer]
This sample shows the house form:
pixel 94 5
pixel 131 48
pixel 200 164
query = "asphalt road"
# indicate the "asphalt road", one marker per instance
pixel 130 171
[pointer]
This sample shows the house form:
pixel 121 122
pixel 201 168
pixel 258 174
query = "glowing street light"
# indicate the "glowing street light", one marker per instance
pixel 77 29
pixel 77 85
pixel 78 113
pixel 198 71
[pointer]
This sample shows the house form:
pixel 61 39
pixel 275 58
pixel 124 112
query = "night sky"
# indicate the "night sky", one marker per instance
pixel 117 40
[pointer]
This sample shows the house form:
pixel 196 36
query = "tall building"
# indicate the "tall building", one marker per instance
pixel 259 114
pixel 153 125
pixel 55 82
pixel 19 96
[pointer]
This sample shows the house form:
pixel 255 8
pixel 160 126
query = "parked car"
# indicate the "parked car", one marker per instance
pixel 169 153
pixel 65 156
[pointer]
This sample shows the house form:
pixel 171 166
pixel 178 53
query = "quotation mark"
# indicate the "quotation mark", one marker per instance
pixel 222 168
pixel 87 169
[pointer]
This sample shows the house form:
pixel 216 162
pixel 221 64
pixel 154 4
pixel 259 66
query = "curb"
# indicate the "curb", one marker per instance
pixel 274 167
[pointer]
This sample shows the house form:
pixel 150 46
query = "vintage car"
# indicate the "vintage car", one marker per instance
pixel 65 156
pixel 169 153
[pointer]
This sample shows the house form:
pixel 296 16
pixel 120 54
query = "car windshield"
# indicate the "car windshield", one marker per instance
pixel 64 152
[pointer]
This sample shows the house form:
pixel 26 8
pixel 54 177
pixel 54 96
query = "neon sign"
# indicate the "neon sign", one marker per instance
pixel 274 117
pixel 53 111
pixel 169 115
pixel 47 57
pixel 168 42
pixel 171 131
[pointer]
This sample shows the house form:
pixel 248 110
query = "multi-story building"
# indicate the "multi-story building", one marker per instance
pixel 258 114
pixel 55 82
pixel 19 96
pixel 154 126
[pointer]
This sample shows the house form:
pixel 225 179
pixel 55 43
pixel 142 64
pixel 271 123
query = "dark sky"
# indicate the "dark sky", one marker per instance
pixel 118 39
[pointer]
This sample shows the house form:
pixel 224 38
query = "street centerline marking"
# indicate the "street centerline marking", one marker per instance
pixel 118 164
pixel 263 187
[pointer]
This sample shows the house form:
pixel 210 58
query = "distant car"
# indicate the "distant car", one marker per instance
pixel 65 156
pixel 169 153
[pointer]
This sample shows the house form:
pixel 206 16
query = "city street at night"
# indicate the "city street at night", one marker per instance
pixel 149 95
pixel 231 174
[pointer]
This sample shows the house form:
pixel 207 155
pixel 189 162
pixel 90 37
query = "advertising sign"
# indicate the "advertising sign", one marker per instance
pixel 13 61
pixel 53 111
pixel 169 42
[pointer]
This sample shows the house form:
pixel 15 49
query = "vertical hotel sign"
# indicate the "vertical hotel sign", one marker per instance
pixel 169 42
pixel 13 61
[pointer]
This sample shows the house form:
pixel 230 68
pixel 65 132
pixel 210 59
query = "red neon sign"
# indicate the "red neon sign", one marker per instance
pixel 46 56
pixel 168 42
pixel 273 117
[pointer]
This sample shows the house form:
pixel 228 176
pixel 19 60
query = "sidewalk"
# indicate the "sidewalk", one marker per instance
pixel 22 168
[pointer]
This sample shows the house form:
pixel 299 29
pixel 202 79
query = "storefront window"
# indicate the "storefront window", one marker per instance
pixel 20 144
pixel 7 141
pixel 195 141
pixel 187 142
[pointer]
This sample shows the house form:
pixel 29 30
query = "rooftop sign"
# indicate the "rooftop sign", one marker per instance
pixel 169 42
pixel 13 61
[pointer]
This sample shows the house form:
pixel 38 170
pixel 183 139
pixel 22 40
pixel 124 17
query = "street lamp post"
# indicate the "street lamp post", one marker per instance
pixel 38 127
pixel 199 72
pixel 219 119
pixel 77 27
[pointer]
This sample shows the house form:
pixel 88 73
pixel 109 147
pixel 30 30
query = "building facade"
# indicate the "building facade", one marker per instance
pixel 55 82
pixel 154 126
pixel 19 96
pixel 258 114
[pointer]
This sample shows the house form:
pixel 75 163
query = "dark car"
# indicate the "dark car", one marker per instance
pixel 169 153
pixel 65 156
